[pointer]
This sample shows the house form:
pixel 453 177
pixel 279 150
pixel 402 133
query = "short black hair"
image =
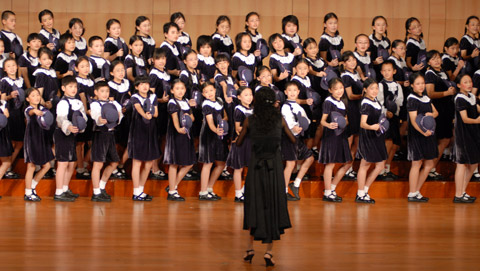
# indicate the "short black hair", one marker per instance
pixel 92 39
pixel 6 14
pixel 290 19
pixel 63 40
pixel 159 53
pixel 67 80
pixel 140 80
pixel 43 13
pixel 101 84
pixel 169 25
pixel 204 40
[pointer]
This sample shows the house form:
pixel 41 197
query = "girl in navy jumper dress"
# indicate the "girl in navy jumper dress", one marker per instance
pixel 467 147
pixel 135 63
pixel 282 63
pixel 86 94
pixel 28 61
pixel 379 44
pixel 353 90
pixel 10 85
pixel 115 46
pixel 224 81
pixel 331 43
pixel 142 139
pixel 183 38
pixel 120 92
pixel 470 43
pixel 222 43
pixel 252 22
pixel 371 146
pixel 75 27
pixel 416 48
pixel 50 35
pixel 452 64
pixel 365 65
pixel 334 148
pixel 239 156
pixel 440 90
pixel 143 27
pixel 37 144
pixel 422 146
pixel 206 62
pixel 6 148
pixel 213 146
pixel 65 61
pixel 179 148
pixel 290 29
pixel 243 57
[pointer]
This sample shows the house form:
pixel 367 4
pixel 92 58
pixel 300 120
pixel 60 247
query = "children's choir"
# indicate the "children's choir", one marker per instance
pixel 94 104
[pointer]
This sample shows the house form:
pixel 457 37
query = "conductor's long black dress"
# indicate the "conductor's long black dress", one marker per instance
pixel 265 207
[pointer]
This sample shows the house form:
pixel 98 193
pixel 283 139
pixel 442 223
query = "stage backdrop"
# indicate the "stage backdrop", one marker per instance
pixel 440 18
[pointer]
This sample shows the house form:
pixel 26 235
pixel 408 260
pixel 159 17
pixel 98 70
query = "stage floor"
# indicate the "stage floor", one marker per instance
pixel 125 235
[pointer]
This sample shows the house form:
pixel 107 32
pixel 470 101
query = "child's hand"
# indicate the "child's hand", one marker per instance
pixel 124 109
pixel 451 91
pixel 418 67
pixel 192 103
pixel 68 73
pixel 379 60
pixel 12 55
pixel 228 100
pixel 332 125
pixel 310 101
pixel 297 51
pixel 119 53
pixel 475 53
pixel 427 133
pixel 48 104
pixel 376 127
pixel 38 112
pixel 283 75
pixel 148 116
pixel 389 114
pixel 296 129
pixel 243 83
pixel 321 74
pixel 111 98
pixel 102 120
pixel 182 130
pixel 429 114
pixel 14 94
pixel 461 64
pixel 256 53
pixel 165 98
pixel 219 131
pixel 73 129
pixel 334 62
pixel 406 83
pixel 50 46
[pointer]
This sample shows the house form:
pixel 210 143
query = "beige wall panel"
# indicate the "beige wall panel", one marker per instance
pixel 279 8
pixel 162 7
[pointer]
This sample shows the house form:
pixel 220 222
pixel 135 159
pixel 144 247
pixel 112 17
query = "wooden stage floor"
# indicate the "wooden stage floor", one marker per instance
pixel 125 235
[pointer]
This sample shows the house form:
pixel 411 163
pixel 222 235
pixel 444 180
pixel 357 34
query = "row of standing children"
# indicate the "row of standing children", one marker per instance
pixel 285 64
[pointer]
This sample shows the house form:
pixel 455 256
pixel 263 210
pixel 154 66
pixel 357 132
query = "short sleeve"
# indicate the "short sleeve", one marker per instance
pixel 134 101
pixel 327 107
pixel 128 63
pixel 347 81
pixel 412 50
pixel 236 62
pixel 22 62
pixel 324 45
pixel 461 104
pixel 476 80
pixel 464 44
pixel 430 78
pixel 172 107
pixel 412 104
pixel 4 87
pixel 365 109
pixel 238 116
pixel 155 100
pixel 448 65
pixel 207 110
pixel 61 66
pixel 273 64
pixel 110 47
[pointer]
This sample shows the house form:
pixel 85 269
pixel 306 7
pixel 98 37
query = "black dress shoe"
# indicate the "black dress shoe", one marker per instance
pixel 49 175
pixel 268 260
pixel 31 197
pixel 64 197
pixel 175 197
pixel 332 198
pixel 468 196
pixel 104 193
pixel 71 194
pixel 364 199
pixel 100 198
pixel 291 198
pixel 142 197
pixel 207 197
pixel 295 190
pixel 158 176
pixel 215 195
pixel 417 199
pixel 463 199
pixel 239 199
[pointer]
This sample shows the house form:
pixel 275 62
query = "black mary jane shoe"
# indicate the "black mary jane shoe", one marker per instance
pixel 463 199
pixel 63 197
pixel 268 261
pixel 295 190
pixel 175 197
pixel 248 258
pixel 32 197
pixel 100 198
pixel 71 194
pixel 364 199
pixel 105 194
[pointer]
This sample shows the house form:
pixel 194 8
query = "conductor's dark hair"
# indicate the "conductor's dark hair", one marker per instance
pixel 43 13
pixel 264 112
pixel 141 80
pixel 204 40
pixel 67 80
pixel 290 19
